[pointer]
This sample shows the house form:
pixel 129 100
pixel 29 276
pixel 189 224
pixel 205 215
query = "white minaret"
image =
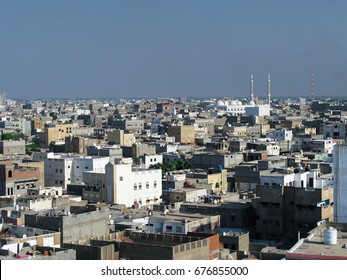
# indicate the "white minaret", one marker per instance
pixel 268 89
pixel 251 89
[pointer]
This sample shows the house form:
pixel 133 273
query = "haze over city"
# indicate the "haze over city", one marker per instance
pixel 88 49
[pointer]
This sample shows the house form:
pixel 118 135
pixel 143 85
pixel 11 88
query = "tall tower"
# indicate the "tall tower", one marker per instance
pixel 340 187
pixel 268 89
pixel 251 89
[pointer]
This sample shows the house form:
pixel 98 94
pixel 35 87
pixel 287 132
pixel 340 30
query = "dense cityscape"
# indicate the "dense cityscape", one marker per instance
pixel 174 178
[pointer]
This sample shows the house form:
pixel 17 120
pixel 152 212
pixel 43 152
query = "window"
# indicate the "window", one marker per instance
pixel 61 170
pixel 135 187
pixel 147 185
pixel 10 174
pixel 155 184
pixel 310 182
pixel 121 178
pixel 56 171
pixel 77 166
pixel 169 228
pixel 140 186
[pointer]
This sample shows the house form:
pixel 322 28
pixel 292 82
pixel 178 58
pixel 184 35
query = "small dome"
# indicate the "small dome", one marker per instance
pixel 233 103
pixel 251 103
pixel 239 103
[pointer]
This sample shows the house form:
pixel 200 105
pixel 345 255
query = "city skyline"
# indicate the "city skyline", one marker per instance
pixel 138 49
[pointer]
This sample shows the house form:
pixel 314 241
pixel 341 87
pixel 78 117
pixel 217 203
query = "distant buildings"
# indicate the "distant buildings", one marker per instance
pixel 2 100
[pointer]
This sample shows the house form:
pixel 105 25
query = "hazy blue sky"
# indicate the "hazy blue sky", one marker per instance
pixel 158 48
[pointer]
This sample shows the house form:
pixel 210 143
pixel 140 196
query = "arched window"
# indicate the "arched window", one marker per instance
pixel 10 174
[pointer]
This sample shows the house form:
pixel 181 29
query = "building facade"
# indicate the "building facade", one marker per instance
pixel 127 186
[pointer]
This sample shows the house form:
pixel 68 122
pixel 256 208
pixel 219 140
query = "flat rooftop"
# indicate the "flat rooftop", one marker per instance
pixel 313 247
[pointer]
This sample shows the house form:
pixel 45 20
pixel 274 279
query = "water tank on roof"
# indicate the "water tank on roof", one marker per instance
pixel 330 236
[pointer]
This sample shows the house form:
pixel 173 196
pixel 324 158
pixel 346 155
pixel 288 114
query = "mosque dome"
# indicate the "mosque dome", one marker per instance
pixel 220 103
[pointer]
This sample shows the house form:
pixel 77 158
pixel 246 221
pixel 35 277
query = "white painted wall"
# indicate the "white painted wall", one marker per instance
pixel 340 185
pixel 121 181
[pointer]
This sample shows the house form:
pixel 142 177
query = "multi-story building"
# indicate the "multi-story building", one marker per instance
pixel 128 186
pixel 207 160
pixel 54 132
pixel 61 170
pixel 121 137
pixel 15 180
pixel 322 146
pixel 21 125
pixel 40 165
pixel 336 130
pixel 283 134
pixel 292 203
pixel 169 108
pixel 78 224
pixel 38 124
pixel 131 124
pixel 183 133
pixel 12 148
pixel 78 144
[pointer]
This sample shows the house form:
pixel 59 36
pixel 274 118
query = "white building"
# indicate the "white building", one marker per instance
pixel 127 186
pixel 283 134
pixel 22 125
pixel 61 170
pixel 340 186
pixel 322 146
pixel 258 110
pixel 298 179
pixel 181 223
pixel 19 236
pixel 233 107
pixel 148 160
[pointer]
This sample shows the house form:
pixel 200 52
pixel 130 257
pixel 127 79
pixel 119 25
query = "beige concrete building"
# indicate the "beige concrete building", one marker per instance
pixel 54 132
pixel 79 144
pixel 121 137
pixel 184 134
pixel 12 147
pixel 218 180
pixel 38 124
